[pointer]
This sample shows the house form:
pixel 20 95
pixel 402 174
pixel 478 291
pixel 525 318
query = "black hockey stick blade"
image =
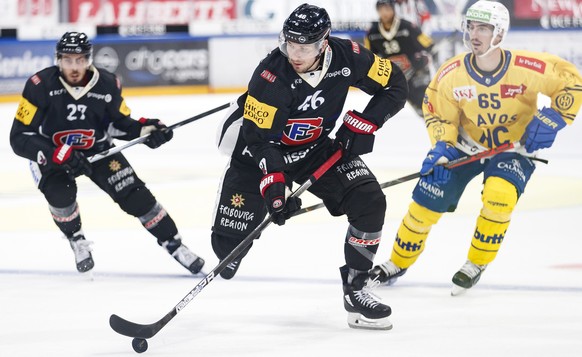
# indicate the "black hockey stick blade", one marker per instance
pixel 145 331
pixel 132 329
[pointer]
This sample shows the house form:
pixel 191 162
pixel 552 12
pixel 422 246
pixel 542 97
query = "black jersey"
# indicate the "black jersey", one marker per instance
pixel 403 44
pixel 284 110
pixel 52 113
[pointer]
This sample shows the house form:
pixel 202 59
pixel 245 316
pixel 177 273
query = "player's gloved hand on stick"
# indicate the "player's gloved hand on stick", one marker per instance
pixel 432 167
pixel 422 59
pixel 159 132
pixel 356 135
pixel 276 190
pixel 541 132
pixel 72 161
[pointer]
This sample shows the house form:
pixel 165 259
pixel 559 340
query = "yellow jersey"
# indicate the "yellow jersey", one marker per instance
pixel 478 111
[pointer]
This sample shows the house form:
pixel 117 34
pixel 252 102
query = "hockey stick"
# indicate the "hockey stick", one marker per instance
pixel 452 164
pixel 141 139
pixel 141 332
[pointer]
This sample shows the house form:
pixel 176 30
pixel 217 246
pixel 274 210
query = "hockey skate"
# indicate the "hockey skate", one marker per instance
pixel 466 277
pixel 365 311
pixel 385 274
pixel 230 270
pixel 183 255
pixel 82 249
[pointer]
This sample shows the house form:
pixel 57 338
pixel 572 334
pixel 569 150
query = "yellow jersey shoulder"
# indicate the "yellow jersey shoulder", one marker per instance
pixel 449 67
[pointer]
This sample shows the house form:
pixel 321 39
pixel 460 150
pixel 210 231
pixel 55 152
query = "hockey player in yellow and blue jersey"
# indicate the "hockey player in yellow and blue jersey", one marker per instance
pixel 476 101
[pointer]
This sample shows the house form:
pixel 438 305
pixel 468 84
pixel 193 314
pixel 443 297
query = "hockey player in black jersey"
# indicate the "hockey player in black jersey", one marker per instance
pixel 70 111
pixel 404 44
pixel 278 132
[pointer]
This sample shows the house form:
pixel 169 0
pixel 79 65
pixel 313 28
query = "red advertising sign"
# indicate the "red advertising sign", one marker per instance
pixel 535 9
pixel 551 14
pixel 140 12
pixel 16 13
pixel 36 7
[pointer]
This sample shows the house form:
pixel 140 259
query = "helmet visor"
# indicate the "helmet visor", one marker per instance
pixel 74 61
pixel 300 50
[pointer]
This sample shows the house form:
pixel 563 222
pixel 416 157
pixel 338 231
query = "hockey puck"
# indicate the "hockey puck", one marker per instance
pixel 139 345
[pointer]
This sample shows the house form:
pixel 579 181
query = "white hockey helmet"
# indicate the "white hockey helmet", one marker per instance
pixel 489 12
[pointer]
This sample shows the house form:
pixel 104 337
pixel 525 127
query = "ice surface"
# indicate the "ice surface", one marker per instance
pixel 286 298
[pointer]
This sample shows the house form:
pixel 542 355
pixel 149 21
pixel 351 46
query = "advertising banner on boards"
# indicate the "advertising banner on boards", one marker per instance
pixel 155 63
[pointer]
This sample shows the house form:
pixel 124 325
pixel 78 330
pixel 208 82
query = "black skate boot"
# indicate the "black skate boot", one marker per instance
pixel 365 310
pixel 230 270
pixel 183 255
pixel 82 249
pixel 466 277
pixel 385 274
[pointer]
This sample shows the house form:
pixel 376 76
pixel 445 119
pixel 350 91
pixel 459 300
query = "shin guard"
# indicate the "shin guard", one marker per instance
pixel 360 248
pixel 68 219
pixel 499 199
pixel 159 223
pixel 412 234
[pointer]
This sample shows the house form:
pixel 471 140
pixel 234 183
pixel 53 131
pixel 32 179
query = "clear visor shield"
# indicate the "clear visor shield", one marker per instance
pixel 68 62
pixel 295 50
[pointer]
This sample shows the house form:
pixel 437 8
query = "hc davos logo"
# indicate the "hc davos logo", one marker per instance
pixel 302 131
pixel 78 139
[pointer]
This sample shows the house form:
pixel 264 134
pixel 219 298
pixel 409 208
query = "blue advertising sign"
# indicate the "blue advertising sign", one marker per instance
pixel 20 60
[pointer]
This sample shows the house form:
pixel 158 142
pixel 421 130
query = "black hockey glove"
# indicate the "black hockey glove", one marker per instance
pixel 276 189
pixel 72 161
pixel 356 135
pixel 159 132
pixel 422 59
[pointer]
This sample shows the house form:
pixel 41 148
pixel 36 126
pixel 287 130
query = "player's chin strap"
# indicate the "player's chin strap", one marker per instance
pixel 141 139
pixel 315 64
pixel 316 60
pixel 452 164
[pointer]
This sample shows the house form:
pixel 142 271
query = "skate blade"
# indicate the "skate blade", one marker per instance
pixel 391 282
pixel 373 284
pixel 359 321
pixel 458 290
pixel 87 275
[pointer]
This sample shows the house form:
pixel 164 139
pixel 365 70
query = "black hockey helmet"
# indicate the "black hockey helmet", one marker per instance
pixel 385 2
pixel 74 43
pixel 307 24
